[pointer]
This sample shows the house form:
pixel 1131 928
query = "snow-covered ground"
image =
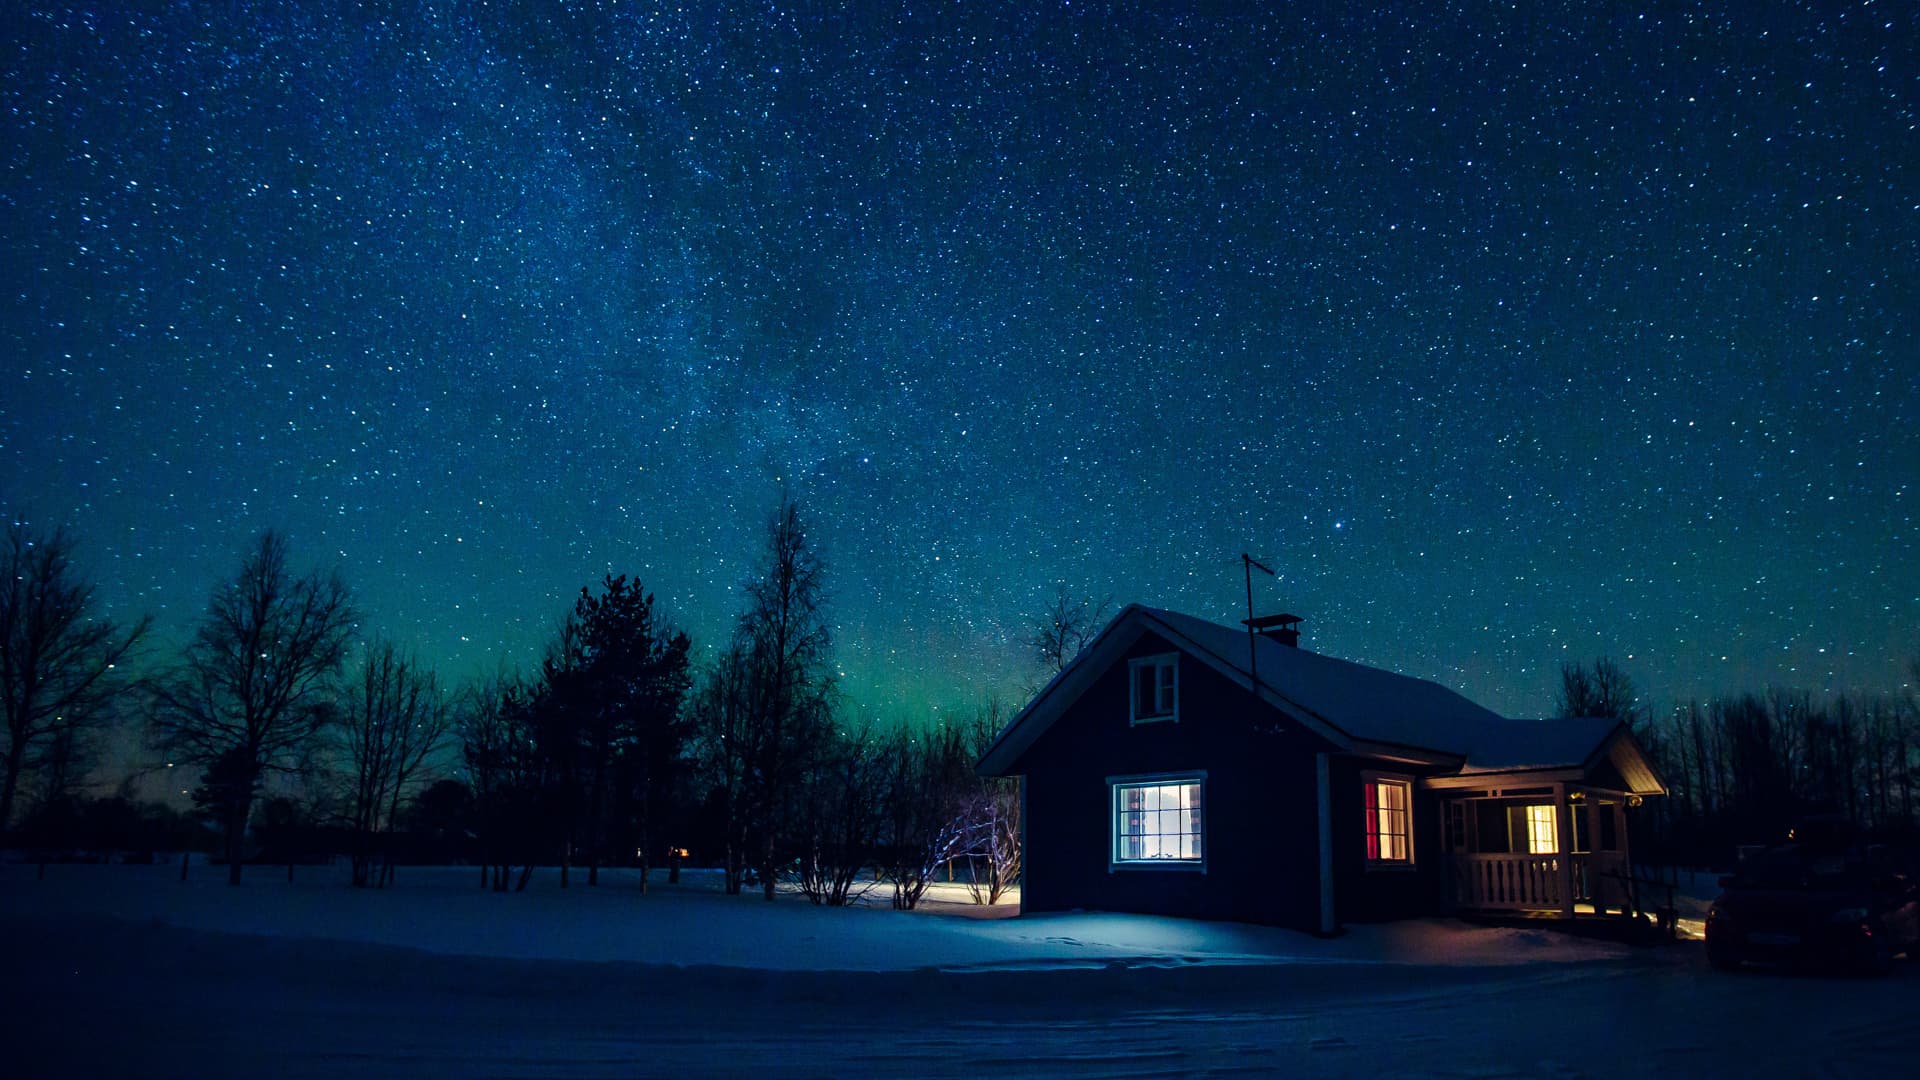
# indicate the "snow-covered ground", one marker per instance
pixel 693 924
pixel 126 970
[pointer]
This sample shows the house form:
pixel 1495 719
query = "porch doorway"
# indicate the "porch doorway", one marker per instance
pixel 1552 850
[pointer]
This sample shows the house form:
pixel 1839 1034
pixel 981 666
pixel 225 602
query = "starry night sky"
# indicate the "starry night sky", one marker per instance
pixel 1507 336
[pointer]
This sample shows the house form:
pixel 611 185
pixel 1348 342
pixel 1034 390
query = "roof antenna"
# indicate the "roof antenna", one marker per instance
pixel 1253 664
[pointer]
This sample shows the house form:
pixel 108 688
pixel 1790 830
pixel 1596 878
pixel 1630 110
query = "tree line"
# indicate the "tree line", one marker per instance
pixel 616 749
pixel 1746 768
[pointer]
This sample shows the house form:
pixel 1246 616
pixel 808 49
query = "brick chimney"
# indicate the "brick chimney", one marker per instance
pixel 1282 628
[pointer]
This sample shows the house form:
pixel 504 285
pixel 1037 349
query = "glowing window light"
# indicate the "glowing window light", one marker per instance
pixel 1157 822
pixel 1543 836
pixel 1389 821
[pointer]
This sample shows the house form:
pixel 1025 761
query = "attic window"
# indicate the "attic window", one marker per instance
pixel 1156 688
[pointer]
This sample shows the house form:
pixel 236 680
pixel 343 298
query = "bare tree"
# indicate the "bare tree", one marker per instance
pixel 994 866
pixel 784 640
pixel 254 690
pixel 933 811
pixel 59 659
pixel 1002 848
pixel 840 815
pixel 1899 713
pixel 1602 690
pixel 419 744
pixel 395 721
pixel 494 729
pixel 1064 629
pixel 720 706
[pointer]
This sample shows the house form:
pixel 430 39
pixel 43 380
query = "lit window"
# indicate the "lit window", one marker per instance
pixel 1389 820
pixel 1543 838
pixel 1157 822
pixel 1156 688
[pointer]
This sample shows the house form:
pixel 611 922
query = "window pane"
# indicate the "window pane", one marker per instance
pixel 1157 821
pixel 1389 827
pixel 1542 836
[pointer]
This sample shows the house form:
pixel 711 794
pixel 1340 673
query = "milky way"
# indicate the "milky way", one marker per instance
pixel 1508 337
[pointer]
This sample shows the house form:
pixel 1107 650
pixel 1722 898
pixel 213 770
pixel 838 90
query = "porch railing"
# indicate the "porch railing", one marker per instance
pixel 1506 881
pixel 1532 882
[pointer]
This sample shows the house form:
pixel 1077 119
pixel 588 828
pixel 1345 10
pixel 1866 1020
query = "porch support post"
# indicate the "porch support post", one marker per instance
pixel 1323 776
pixel 1586 837
pixel 1626 857
pixel 1563 828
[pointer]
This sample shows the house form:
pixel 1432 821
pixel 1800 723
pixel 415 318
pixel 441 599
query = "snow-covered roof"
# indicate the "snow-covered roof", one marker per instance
pixel 1363 702
pixel 1366 709
pixel 1510 745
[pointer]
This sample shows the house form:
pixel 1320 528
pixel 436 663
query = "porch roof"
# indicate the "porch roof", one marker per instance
pixel 1512 745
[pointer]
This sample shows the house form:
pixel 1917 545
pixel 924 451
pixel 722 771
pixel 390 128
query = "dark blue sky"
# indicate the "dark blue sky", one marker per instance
pixel 1508 337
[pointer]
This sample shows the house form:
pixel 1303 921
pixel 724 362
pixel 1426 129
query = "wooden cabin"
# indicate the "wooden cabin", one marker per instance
pixel 1183 767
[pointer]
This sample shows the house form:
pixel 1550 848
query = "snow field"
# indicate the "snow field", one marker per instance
pixel 117 971
pixel 694 924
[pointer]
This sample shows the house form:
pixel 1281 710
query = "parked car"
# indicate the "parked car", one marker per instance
pixel 1815 904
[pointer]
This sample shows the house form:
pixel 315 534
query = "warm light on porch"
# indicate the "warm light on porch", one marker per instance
pixel 1542 834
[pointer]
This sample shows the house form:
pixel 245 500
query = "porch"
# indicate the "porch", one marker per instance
pixel 1557 849
pixel 1481 881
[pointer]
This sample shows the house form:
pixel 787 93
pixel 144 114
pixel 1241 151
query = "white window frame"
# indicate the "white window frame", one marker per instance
pixel 1163 664
pixel 1404 782
pixel 1118 784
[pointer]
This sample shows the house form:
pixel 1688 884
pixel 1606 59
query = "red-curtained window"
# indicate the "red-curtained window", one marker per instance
pixel 1389 809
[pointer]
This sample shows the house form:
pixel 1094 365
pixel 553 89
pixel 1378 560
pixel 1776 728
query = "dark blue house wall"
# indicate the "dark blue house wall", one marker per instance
pixel 1365 894
pixel 1259 808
